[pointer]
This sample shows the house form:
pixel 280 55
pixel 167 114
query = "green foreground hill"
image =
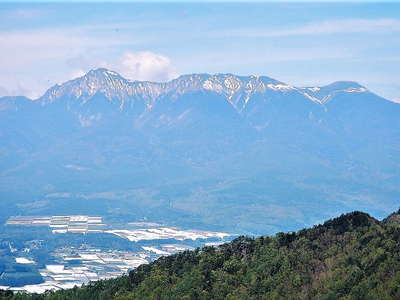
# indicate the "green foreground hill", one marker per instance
pixel 353 256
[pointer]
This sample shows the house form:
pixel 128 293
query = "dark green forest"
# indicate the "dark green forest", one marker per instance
pixel 353 256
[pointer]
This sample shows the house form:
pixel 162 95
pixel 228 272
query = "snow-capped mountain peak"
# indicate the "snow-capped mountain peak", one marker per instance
pixel 109 83
pixel 238 90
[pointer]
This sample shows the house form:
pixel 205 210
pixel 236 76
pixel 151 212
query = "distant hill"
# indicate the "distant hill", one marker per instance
pixel 353 256
pixel 246 153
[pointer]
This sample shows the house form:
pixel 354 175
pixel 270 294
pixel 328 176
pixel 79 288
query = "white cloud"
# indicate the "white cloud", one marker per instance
pixel 344 26
pixel 144 65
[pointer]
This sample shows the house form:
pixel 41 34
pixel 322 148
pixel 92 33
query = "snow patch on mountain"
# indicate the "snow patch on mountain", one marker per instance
pixel 280 87
pixel 312 98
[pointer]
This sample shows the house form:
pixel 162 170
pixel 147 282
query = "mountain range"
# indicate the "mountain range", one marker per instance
pixel 248 153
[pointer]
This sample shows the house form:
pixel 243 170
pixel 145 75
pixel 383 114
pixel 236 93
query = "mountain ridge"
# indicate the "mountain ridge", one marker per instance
pixel 233 87
pixel 256 99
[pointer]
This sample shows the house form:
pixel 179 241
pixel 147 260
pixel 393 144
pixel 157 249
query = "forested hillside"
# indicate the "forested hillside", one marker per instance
pixel 353 256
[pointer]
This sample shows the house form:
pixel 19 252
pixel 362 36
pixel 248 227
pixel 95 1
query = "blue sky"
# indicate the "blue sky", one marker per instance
pixel 298 43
